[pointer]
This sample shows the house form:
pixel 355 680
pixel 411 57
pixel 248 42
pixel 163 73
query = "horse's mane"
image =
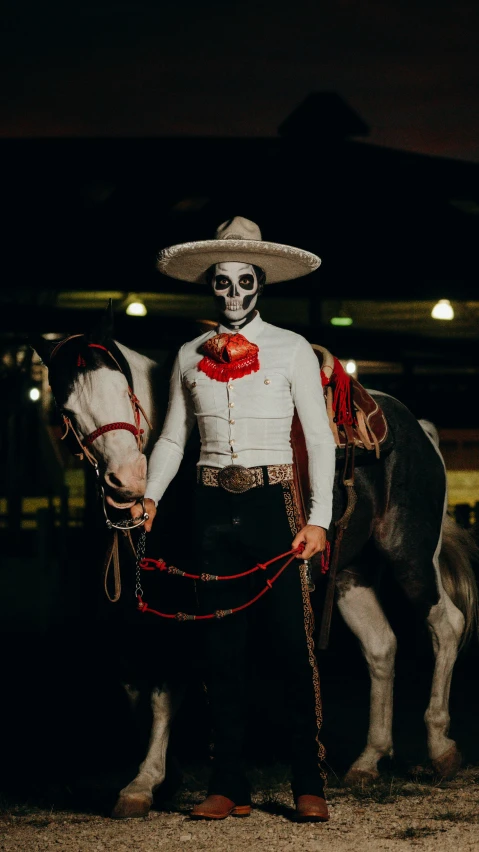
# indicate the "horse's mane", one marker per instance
pixel 76 356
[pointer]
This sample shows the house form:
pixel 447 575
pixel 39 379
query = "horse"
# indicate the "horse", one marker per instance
pixel 400 522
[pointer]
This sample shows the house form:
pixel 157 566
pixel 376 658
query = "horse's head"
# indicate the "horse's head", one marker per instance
pixel 92 386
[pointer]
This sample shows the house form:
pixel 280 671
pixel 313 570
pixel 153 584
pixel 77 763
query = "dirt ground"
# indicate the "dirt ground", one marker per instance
pixel 66 754
pixel 393 814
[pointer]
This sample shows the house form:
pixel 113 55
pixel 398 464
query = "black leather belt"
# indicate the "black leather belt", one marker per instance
pixel 236 479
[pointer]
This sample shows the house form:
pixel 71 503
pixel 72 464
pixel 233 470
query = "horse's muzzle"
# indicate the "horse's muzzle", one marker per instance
pixel 120 505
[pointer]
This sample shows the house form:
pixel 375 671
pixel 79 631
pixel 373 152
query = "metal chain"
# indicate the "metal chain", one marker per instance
pixel 140 554
pixel 126 523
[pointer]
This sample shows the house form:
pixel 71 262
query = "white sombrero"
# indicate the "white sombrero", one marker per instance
pixel 239 240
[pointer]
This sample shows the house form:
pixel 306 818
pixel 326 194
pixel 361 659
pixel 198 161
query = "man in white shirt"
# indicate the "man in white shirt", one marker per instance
pixel 241 383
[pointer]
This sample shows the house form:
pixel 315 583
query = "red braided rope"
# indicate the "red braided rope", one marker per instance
pixel 221 613
pixel 109 427
pixel 149 564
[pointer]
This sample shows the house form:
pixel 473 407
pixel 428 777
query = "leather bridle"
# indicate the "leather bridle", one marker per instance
pixel 134 428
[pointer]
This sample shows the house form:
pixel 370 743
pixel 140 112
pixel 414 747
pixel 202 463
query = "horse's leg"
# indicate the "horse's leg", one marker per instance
pixel 446 624
pixel 421 582
pixel 410 534
pixel 362 612
pixel 136 798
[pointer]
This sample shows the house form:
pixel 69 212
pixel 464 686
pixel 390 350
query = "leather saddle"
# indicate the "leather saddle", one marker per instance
pixel 368 429
pixel 360 430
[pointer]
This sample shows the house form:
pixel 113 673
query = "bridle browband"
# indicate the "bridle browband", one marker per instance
pixel 134 428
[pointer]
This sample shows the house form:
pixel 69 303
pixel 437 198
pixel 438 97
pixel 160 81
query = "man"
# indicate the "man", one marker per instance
pixel 242 383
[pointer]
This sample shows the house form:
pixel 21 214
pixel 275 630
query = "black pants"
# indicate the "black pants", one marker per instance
pixel 234 532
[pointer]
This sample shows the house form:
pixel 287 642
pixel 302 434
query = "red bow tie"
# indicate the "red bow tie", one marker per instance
pixel 229 356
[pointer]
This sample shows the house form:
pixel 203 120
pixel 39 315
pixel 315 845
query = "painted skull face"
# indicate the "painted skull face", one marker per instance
pixel 235 287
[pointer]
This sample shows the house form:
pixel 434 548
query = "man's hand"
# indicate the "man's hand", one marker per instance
pixel 137 512
pixel 313 537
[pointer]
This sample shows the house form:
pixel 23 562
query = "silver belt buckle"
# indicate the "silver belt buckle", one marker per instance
pixel 236 478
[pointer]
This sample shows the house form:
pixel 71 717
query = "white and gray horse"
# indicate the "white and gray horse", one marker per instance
pixel 400 522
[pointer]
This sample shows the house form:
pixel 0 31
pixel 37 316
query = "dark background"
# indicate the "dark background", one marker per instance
pixel 143 68
pixel 128 127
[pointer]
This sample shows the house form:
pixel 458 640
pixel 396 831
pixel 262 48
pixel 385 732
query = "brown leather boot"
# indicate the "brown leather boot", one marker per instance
pixel 219 807
pixel 311 809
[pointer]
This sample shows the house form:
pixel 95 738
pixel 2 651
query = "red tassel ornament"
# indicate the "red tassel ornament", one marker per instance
pixel 342 403
pixel 325 558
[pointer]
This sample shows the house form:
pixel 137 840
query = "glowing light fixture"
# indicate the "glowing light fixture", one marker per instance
pixel 351 367
pixel 136 309
pixel 341 320
pixel 443 310
pixel 34 394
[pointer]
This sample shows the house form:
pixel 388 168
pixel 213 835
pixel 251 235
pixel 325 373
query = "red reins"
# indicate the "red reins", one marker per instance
pixel 219 613
pixel 149 564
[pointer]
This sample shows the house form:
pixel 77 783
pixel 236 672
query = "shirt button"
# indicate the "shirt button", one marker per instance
pixel 234 455
pixel 267 381
pixel 232 422
pixel 231 387
pixel 232 441
pixel 231 405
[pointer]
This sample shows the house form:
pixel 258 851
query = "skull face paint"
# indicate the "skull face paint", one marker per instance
pixel 236 290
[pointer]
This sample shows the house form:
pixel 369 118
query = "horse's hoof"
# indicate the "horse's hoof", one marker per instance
pixel 132 806
pixel 360 777
pixel 421 771
pixel 448 764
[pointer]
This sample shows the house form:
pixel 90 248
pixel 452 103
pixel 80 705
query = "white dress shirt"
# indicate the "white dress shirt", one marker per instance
pixel 247 421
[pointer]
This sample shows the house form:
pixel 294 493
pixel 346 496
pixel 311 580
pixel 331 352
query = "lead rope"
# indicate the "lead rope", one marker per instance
pixel 113 558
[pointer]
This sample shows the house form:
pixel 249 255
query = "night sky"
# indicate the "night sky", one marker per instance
pixel 141 68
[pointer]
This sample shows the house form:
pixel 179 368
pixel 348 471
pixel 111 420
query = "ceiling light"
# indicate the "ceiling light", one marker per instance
pixel 341 321
pixel 136 309
pixel 443 310
pixel 34 394
pixel 351 367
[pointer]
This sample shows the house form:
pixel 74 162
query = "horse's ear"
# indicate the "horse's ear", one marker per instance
pixel 103 330
pixel 42 347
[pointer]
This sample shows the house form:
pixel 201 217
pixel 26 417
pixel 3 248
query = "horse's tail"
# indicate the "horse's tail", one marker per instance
pixel 430 430
pixel 458 553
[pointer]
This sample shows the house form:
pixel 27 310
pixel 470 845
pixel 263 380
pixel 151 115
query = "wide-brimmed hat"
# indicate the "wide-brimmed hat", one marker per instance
pixel 239 240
